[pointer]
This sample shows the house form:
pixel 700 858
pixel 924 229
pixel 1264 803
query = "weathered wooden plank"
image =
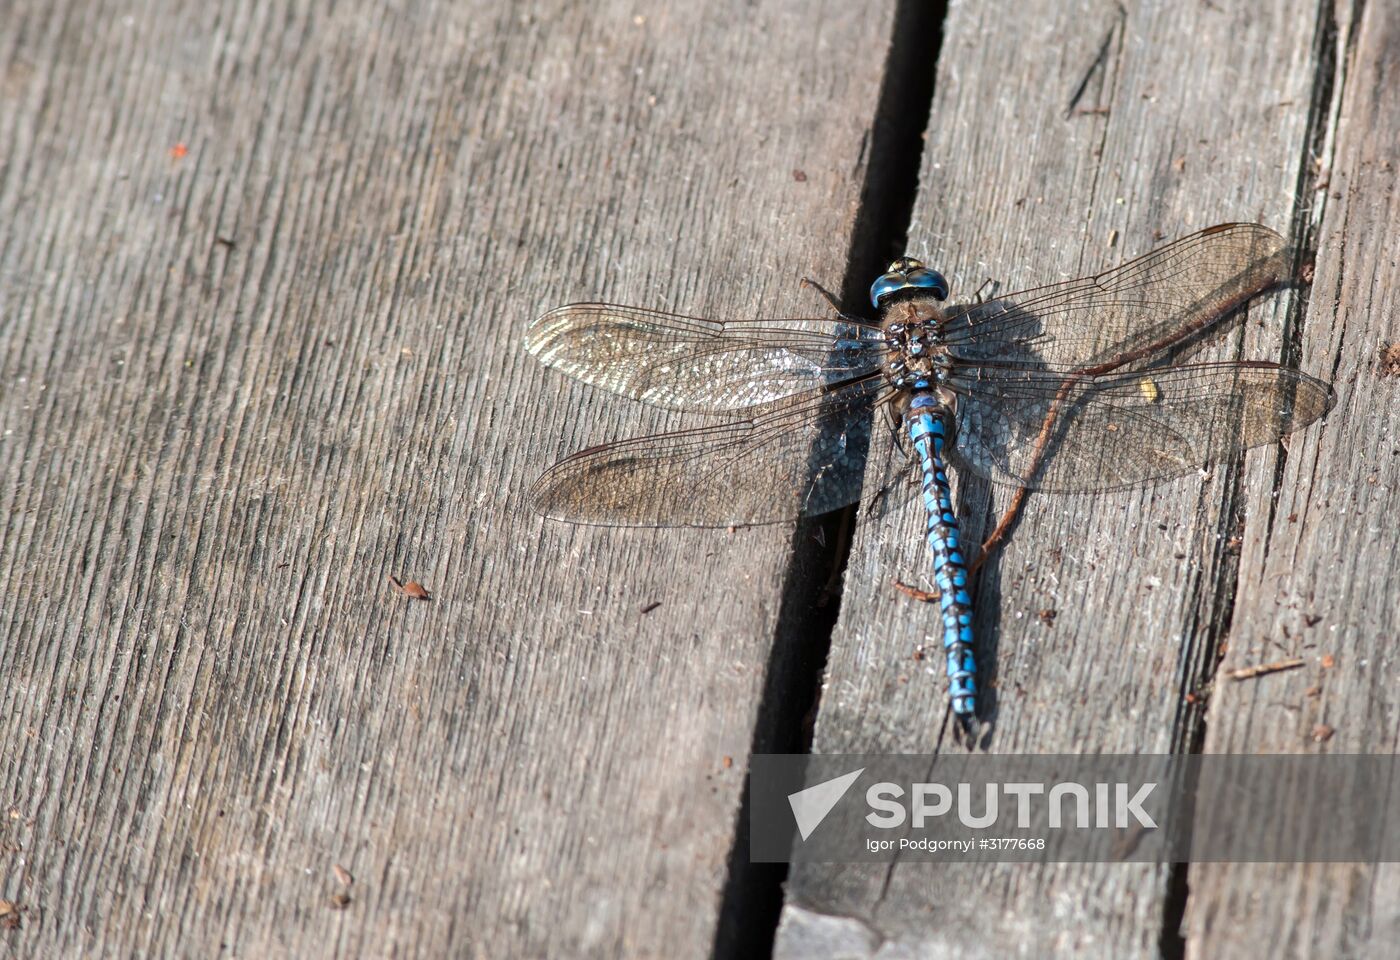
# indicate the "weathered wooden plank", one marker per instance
pixel 1192 114
pixel 1320 580
pixel 248 377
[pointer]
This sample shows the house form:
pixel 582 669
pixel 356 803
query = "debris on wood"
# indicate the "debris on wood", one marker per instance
pixel 1314 691
pixel 1390 360
pixel 727 761
pixel 648 608
pixel 179 151
pixel 1322 733
pixel 340 900
pixel 1047 616
pixel 1259 670
pixel 342 876
pixel 918 652
pixel 1328 661
pixel 1312 619
pixel 800 176
pixel 9 915
pixel 412 589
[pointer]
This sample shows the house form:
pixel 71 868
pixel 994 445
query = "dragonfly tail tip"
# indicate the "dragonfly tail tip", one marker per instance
pixel 971 728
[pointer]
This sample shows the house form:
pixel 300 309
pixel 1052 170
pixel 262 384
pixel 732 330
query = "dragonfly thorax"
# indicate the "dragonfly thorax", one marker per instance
pixel 917 356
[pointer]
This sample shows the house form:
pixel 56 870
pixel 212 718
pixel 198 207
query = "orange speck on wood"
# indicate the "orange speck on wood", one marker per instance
pixel 412 589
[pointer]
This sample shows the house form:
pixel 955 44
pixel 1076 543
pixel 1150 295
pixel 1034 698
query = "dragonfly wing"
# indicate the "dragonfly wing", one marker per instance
pixel 1155 301
pixel 686 363
pixel 1122 429
pixel 806 455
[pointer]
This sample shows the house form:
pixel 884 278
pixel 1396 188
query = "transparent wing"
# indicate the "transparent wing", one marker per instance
pixel 805 456
pixel 685 363
pixel 1129 312
pixel 1118 430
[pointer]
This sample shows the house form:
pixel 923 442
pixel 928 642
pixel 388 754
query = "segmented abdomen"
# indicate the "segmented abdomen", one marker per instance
pixel 928 424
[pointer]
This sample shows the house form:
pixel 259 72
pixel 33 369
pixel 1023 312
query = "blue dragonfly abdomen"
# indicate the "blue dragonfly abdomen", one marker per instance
pixel 928 423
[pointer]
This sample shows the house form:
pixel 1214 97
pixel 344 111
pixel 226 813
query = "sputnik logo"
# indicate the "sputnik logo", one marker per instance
pixel 810 806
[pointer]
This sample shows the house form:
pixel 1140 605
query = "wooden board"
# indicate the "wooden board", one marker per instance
pixel 263 274
pixel 1063 138
pixel 1320 580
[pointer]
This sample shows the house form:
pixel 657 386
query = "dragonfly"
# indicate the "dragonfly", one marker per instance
pixel 1079 386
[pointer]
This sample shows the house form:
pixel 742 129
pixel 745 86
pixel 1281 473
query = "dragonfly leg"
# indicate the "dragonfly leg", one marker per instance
pixel 923 596
pixel 988 289
pixel 830 298
pixel 826 294
pixel 1003 528
pixel 895 421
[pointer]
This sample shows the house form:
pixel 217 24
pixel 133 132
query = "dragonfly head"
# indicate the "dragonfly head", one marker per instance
pixel 906 273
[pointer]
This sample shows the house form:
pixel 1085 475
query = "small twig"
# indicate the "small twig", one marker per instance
pixel 1249 673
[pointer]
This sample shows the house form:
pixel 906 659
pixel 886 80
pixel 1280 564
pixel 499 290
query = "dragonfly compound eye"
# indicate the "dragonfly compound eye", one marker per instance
pixel 907 274
pixel 930 280
pixel 886 285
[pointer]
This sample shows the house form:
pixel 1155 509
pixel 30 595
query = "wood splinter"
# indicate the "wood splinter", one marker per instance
pixel 1249 673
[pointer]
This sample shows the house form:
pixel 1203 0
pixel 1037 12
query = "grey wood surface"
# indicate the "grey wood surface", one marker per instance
pixel 1320 579
pixel 263 272
pixel 1195 114
pixel 245 381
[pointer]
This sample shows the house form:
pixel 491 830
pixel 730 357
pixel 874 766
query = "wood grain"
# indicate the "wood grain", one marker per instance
pixel 1191 114
pixel 1319 574
pixel 263 270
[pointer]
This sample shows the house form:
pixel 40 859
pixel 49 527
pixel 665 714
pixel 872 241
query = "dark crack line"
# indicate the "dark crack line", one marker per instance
pixel 752 899
pixel 1097 62
pixel 1329 83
